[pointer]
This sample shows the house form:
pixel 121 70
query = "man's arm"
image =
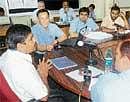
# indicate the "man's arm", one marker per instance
pixel 104 29
pixel 43 68
pixel 44 47
pixel 126 24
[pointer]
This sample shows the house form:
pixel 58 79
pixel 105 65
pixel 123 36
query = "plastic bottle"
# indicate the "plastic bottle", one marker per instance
pixel 108 60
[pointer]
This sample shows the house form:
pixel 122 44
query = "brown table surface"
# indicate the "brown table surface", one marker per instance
pixel 79 55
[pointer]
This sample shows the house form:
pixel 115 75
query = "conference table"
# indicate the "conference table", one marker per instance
pixel 80 56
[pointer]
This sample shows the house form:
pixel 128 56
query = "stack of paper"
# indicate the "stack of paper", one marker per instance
pixel 98 37
pixel 78 77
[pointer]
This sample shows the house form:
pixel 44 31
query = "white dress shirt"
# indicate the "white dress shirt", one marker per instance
pixel 22 76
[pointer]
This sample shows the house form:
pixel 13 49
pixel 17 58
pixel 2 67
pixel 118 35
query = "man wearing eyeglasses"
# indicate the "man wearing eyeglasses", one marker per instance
pixel 83 21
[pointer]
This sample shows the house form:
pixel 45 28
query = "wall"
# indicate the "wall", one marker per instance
pixel 103 6
pixel 3 4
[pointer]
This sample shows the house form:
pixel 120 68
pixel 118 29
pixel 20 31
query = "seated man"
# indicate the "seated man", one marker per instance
pixel 66 13
pixel 114 87
pixel 41 5
pixel 83 21
pixel 115 17
pixel 91 11
pixel 16 65
pixel 47 34
pixel 128 16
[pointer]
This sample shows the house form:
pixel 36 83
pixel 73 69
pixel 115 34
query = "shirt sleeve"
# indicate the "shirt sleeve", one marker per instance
pixel 73 27
pixel 104 22
pixel 29 81
pixel 57 31
pixel 100 91
pixel 35 32
pixel 92 24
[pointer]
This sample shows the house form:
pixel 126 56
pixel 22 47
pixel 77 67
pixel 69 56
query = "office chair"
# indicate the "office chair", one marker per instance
pixel 6 94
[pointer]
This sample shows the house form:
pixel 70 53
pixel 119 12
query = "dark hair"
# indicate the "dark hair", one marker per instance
pixel 40 1
pixel 84 9
pixel 125 48
pixel 2 12
pixel 41 11
pixel 16 34
pixel 66 1
pixel 92 5
pixel 115 7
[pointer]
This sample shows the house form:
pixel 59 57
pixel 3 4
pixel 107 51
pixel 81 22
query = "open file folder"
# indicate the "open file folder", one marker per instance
pixel 63 63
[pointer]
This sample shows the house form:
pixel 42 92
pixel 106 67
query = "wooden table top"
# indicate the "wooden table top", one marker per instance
pixel 79 55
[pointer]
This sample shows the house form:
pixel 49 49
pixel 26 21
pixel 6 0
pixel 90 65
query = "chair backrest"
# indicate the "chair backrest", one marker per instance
pixel 6 94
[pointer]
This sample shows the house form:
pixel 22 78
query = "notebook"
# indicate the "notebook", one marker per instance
pixel 63 63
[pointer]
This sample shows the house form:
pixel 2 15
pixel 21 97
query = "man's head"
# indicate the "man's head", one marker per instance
pixel 83 14
pixel 91 7
pixel 65 4
pixel 2 12
pixel 122 61
pixel 115 11
pixel 19 37
pixel 41 4
pixel 43 17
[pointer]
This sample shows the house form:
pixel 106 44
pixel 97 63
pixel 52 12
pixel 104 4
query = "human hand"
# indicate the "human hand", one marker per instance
pixel 49 47
pixel 122 15
pixel 43 67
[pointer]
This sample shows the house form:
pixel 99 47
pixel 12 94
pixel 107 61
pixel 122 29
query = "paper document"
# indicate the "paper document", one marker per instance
pixel 75 75
pixel 95 74
pixel 98 37
pixel 78 77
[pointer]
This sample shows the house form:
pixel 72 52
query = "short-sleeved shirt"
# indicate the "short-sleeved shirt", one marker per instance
pixel 68 16
pixel 108 23
pixel 76 25
pixel 92 15
pixel 22 76
pixel 46 36
pixel 112 87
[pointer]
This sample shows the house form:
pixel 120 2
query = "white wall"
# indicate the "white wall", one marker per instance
pixel 99 4
pixel 103 6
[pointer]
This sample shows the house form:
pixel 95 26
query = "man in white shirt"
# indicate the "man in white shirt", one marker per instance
pixel 115 87
pixel 109 23
pixel 17 68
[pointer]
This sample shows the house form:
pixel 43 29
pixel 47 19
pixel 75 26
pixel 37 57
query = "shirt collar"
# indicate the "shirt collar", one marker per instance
pixel 19 55
pixel 125 73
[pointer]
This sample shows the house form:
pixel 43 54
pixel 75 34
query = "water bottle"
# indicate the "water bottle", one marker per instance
pixel 108 60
